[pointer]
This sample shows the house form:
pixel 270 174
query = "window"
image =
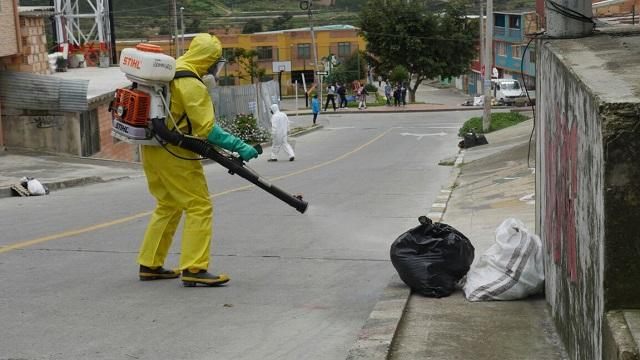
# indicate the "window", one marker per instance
pixel 532 55
pixel 501 49
pixel 228 53
pixel 514 21
pixel 516 51
pixel 499 19
pixel 344 49
pixel 304 51
pixel 265 52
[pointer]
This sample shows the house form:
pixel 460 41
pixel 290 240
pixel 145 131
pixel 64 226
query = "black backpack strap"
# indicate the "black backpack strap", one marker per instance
pixel 186 74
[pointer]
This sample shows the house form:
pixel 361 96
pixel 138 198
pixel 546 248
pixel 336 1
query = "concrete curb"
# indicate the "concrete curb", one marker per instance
pixel 466 108
pixel 376 337
pixel 377 334
pixel 57 185
pixel 299 133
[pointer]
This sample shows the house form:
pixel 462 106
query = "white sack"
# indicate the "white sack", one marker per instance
pixel 35 187
pixel 511 269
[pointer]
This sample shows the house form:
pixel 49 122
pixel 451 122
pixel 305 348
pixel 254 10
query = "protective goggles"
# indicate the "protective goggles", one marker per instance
pixel 217 67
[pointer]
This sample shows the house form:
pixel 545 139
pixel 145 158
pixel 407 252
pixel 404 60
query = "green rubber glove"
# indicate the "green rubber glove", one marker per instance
pixel 221 138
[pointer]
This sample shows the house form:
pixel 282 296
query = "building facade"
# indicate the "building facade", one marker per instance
pixel 509 43
pixel 287 50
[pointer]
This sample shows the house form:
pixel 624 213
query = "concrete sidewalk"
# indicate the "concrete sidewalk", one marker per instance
pixel 494 182
pixel 57 172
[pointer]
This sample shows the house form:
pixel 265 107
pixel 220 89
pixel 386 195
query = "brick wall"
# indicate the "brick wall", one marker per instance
pixel 109 147
pixel 33 57
pixel 8 37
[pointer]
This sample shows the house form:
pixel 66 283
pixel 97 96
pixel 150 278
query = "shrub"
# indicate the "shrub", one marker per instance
pixel 498 121
pixel 371 89
pixel 245 127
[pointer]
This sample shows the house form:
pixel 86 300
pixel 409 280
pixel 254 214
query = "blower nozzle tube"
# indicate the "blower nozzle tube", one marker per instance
pixel 234 165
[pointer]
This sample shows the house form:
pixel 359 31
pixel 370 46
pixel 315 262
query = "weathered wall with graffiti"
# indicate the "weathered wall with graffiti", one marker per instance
pixel 570 201
pixel 588 193
pixel 41 130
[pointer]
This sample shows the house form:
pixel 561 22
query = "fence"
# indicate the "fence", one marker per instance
pixel 232 100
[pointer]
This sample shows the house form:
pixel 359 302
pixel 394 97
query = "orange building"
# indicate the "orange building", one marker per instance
pixel 290 50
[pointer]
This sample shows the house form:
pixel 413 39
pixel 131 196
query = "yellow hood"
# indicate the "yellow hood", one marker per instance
pixel 203 52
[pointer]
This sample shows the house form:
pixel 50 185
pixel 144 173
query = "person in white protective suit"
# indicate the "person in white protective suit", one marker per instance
pixel 279 132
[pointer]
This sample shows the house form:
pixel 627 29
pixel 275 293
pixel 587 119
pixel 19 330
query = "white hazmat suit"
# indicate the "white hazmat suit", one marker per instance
pixel 279 132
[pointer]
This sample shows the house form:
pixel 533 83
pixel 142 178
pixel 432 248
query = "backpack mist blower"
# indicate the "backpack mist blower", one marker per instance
pixel 139 116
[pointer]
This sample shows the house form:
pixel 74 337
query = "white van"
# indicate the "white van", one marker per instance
pixel 507 91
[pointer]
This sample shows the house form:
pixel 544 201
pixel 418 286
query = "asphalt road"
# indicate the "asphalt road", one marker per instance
pixel 302 285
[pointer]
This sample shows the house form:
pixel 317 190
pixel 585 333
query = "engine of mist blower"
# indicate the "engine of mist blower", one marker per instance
pixel 132 109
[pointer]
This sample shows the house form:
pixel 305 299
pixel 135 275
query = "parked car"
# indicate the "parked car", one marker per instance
pixel 507 91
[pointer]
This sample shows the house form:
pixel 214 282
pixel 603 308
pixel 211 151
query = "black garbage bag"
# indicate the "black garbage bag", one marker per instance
pixel 472 139
pixel 432 257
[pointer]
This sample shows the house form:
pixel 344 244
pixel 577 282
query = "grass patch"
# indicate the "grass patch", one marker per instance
pixel 498 121
pixel 447 163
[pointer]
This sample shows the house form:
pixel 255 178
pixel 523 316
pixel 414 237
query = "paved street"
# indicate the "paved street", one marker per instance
pixel 302 285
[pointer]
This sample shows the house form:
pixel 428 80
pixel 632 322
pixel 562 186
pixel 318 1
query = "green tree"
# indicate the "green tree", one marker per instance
pixel 282 22
pixel 354 68
pixel 428 45
pixel 252 26
pixel 248 63
pixel 399 74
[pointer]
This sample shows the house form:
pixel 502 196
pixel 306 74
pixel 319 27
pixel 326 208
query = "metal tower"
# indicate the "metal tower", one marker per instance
pixel 84 25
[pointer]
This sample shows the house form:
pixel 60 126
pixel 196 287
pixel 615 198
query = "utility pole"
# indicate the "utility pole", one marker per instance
pixel 481 46
pixel 560 25
pixel 181 30
pixel 308 5
pixel 174 28
pixel 488 67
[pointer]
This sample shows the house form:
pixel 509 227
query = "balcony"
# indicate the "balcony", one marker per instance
pixel 507 34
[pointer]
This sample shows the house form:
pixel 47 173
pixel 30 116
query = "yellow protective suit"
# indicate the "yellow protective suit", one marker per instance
pixel 179 185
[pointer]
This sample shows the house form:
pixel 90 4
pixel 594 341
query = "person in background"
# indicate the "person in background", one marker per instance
pixel 362 95
pixel 403 94
pixel 396 95
pixel 342 94
pixel 388 92
pixel 315 107
pixel 331 96
pixel 279 133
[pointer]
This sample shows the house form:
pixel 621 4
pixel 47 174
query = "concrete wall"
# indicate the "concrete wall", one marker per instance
pixel 8 29
pixel 85 134
pixel 570 171
pixel 41 130
pixel 588 193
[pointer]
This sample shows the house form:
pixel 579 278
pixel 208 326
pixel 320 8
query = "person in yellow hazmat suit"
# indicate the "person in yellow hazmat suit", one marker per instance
pixel 179 184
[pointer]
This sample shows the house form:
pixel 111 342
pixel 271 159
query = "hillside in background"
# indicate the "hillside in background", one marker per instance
pixel 142 18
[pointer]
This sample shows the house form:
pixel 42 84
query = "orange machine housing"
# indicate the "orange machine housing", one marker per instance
pixel 131 106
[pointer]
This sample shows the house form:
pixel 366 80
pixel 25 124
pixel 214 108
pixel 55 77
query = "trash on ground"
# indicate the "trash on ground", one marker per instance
pixel 29 187
pixel 511 269
pixel 472 139
pixel 432 257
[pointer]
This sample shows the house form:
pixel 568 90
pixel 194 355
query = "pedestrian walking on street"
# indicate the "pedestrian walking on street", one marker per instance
pixel 342 94
pixel 178 184
pixel 280 132
pixel 315 107
pixel 331 96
